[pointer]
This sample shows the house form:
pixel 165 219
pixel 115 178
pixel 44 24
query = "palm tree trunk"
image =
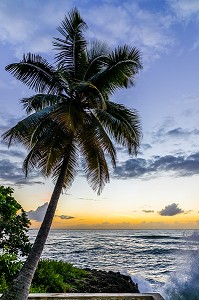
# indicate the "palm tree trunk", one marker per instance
pixel 21 284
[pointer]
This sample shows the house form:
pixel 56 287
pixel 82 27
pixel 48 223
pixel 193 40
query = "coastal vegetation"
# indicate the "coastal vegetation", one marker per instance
pixel 71 121
pixel 14 239
pixel 61 277
pixel 51 276
pixel 14 224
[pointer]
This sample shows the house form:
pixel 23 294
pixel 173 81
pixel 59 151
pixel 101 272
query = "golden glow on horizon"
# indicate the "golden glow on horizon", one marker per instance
pixel 137 221
pixel 133 204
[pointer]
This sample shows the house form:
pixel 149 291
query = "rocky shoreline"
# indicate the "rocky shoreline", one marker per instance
pixel 61 277
pixel 98 281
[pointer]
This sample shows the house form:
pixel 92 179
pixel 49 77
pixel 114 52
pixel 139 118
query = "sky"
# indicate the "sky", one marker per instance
pixel 158 189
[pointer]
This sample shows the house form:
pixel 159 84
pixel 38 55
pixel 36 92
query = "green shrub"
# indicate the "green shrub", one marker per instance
pixel 9 268
pixel 3 283
pixel 56 276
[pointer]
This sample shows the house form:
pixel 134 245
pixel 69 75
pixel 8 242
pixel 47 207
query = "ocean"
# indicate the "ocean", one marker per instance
pixel 164 261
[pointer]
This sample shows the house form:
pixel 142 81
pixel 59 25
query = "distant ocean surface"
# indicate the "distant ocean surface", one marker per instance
pixel 158 260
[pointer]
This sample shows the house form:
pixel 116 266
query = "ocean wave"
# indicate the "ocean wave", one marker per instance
pixel 158 251
pixel 87 250
pixel 158 237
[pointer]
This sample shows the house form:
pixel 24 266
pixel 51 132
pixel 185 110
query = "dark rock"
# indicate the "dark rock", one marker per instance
pixel 98 281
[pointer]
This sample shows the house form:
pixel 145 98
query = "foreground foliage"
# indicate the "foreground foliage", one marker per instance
pixel 10 266
pixel 61 277
pixel 14 224
pixel 57 277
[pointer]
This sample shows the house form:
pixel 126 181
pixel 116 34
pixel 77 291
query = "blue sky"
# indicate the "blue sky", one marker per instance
pixel 159 188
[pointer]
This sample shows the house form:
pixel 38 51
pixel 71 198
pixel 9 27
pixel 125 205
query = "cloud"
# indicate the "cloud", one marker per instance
pixel 87 199
pixel 131 168
pixel 185 9
pixel 28 182
pixel 12 153
pixel 30 25
pixel 163 134
pixel 148 30
pixel 7 121
pixel 177 165
pixel 39 213
pixel 182 133
pixel 171 210
pixel 11 173
pixel 64 217
pixel 146 146
pixel 141 225
pixel 148 211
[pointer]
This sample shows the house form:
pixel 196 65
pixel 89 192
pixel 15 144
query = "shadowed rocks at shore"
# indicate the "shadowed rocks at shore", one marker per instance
pixel 97 281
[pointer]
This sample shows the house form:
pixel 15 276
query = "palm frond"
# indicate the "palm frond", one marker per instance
pixel 97 57
pixel 122 124
pixel 38 102
pixel 119 69
pixel 36 73
pixel 95 128
pixel 70 158
pixel 96 165
pixel 23 131
pixel 48 152
pixel 95 144
pixel 68 115
pixel 89 95
pixel 73 44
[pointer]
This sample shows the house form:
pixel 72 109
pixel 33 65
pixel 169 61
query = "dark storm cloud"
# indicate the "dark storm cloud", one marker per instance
pixel 180 165
pixel 39 213
pixel 171 210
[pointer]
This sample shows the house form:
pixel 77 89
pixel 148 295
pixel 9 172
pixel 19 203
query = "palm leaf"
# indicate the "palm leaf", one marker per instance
pixel 36 73
pixel 38 102
pixel 73 44
pixel 122 124
pixel 97 57
pixel 22 132
pixel 72 159
pixel 96 165
pixel 95 144
pixel 118 70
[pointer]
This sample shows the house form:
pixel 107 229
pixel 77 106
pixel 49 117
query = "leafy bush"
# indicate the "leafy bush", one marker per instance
pixel 9 268
pixel 50 276
pixel 14 224
pixel 56 276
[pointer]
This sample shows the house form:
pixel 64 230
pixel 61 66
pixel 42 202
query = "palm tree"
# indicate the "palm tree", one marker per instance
pixel 71 120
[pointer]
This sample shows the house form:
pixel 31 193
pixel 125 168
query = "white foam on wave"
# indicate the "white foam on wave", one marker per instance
pixel 183 284
pixel 143 285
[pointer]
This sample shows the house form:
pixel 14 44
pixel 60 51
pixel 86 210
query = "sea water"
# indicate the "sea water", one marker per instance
pixel 165 261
